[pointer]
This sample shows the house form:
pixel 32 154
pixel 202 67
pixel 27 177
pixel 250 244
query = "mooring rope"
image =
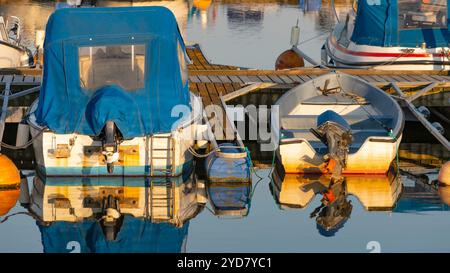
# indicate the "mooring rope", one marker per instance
pixel 28 143
pixel 397 158
pixel 389 62
pixel 6 218
pixel 194 153
pixel 369 115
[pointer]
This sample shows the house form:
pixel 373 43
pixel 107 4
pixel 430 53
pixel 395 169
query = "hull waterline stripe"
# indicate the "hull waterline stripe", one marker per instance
pixel 384 54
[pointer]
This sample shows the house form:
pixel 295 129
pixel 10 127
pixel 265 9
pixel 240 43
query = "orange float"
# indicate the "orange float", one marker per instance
pixel 9 184
pixel 289 59
pixel 444 174
pixel 9 174
pixel 8 198
pixel 444 193
pixel 202 4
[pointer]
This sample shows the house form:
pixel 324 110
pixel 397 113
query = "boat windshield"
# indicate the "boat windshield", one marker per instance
pixel 122 65
pixel 422 14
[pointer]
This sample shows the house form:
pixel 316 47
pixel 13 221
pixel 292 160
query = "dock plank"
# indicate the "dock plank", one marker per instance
pixel 214 78
pixel 264 78
pixel 224 79
pixel 276 78
pixel 286 79
pixel 204 93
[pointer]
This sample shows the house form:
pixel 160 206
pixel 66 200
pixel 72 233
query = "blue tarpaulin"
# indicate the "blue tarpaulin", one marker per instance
pixel 384 23
pixel 78 97
pixel 135 235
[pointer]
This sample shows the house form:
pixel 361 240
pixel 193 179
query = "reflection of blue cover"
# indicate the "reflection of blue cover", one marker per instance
pixel 64 104
pixel 136 235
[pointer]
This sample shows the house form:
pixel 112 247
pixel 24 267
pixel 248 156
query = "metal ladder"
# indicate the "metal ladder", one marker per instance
pixel 169 158
pixel 162 200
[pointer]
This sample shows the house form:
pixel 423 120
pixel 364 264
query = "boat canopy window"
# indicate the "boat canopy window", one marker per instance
pixel 422 14
pixel 122 65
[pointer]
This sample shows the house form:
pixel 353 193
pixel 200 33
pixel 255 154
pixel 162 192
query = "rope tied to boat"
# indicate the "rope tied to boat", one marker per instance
pixel 24 146
pixel 397 158
pixel 194 153
pixel 217 149
pixel 369 115
pixel 404 51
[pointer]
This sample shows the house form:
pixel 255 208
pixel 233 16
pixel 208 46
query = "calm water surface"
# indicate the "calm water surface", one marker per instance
pixel 387 214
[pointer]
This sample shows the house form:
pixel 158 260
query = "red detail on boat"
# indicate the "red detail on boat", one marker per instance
pixel 384 54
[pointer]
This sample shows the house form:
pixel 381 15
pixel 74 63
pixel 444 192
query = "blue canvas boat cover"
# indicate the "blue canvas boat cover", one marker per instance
pixel 124 64
pixel 406 23
pixel 135 236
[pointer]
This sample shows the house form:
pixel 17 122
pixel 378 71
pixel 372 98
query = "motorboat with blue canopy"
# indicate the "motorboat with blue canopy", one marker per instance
pixel 114 98
pixel 391 34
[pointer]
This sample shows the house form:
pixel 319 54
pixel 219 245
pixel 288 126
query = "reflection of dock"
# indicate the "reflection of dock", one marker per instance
pixel 215 83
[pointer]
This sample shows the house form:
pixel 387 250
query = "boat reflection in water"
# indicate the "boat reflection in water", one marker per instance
pixel 230 199
pixel 310 5
pixel 116 214
pixel 375 193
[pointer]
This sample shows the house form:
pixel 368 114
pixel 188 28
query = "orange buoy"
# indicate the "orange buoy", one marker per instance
pixel 444 174
pixel 9 184
pixel 289 59
pixel 9 174
pixel 202 4
pixel 444 193
pixel 8 198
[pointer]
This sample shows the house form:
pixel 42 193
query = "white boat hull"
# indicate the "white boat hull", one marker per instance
pixel 81 155
pixel 374 157
pixel 343 52
pixel 11 56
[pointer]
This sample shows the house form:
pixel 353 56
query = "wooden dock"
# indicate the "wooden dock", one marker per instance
pixel 211 81
pixel 214 82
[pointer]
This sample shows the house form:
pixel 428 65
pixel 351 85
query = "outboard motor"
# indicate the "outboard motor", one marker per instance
pixel 334 131
pixel 334 210
pixel 110 145
pixel 111 220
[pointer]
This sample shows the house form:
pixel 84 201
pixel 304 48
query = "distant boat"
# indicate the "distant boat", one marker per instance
pixel 386 34
pixel 114 97
pixel 338 117
pixel 12 53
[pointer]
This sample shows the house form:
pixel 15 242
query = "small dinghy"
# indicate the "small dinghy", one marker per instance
pixel 114 98
pixel 12 53
pixel 338 122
